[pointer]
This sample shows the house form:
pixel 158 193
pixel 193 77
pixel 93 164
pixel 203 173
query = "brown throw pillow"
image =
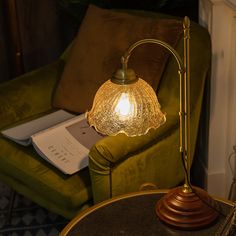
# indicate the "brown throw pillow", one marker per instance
pixel 102 39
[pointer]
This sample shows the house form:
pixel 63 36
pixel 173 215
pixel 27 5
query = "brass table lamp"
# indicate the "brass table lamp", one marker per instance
pixel 127 104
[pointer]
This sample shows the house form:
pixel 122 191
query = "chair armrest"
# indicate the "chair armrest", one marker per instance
pixel 110 150
pixel 28 94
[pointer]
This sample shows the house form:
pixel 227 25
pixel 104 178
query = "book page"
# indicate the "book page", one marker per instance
pixel 22 133
pixel 67 145
pixel 83 133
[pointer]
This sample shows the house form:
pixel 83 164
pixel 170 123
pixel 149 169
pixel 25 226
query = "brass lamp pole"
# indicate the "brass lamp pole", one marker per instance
pixel 184 207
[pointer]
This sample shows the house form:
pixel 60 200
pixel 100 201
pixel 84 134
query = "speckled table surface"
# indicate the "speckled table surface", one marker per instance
pixel 133 215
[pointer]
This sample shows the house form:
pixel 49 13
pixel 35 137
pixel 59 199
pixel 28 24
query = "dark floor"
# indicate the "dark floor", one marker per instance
pixel 27 218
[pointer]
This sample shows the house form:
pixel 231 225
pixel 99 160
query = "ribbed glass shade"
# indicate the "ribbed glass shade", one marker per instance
pixel 132 109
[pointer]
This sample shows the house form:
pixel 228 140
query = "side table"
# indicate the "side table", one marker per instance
pixel 133 215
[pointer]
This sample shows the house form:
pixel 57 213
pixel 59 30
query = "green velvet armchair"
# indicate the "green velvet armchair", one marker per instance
pixel 117 165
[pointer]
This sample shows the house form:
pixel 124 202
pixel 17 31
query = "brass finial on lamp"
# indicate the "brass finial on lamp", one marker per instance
pixel 127 104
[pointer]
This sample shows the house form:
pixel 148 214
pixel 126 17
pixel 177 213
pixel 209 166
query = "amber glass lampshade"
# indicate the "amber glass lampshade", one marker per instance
pixel 131 108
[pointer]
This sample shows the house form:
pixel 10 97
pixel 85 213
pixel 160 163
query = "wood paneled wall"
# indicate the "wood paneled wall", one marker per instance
pixel 39 32
pixel 31 35
pixel 4 56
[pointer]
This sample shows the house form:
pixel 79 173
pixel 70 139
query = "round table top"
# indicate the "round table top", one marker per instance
pixel 133 215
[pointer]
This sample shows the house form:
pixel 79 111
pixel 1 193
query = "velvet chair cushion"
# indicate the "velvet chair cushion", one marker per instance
pixel 37 179
pixel 103 38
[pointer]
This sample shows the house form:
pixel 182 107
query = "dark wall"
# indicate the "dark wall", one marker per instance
pixel 171 7
pixel 40 35
pixel 4 59
pixel 39 32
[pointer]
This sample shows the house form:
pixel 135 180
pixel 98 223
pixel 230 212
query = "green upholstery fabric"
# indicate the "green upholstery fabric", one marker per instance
pixel 38 180
pixel 29 94
pixel 117 164
pixel 24 98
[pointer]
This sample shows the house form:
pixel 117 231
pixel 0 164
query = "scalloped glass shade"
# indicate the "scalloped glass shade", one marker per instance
pixel 132 109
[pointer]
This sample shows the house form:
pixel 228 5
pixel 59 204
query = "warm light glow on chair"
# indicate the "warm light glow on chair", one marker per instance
pixel 127 104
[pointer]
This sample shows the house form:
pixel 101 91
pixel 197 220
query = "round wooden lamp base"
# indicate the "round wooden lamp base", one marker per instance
pixel 187 210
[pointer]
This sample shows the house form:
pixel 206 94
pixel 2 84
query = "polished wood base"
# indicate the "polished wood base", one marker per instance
pixel 187 210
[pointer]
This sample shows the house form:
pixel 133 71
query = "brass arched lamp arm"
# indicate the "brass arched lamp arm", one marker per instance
pixel 126 76
pixel 181 65
pixel 126 56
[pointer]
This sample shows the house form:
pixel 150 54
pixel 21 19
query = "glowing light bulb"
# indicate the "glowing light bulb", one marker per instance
pixel 132 109
pixel 125 108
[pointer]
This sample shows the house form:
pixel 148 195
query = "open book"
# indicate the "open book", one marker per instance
pixel 61 138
